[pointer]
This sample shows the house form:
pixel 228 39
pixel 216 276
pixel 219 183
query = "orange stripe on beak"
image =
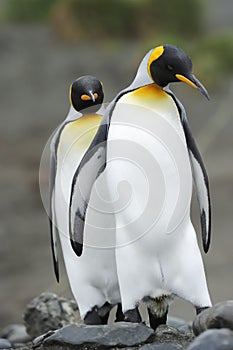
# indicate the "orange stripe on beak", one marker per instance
pixel 195 83
pixel 186 80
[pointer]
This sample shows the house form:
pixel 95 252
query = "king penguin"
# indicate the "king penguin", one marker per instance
pixel 93 277
pixel 156 241
pixel 145 146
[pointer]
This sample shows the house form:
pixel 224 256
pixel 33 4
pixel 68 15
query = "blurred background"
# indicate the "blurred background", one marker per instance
pixel 44 46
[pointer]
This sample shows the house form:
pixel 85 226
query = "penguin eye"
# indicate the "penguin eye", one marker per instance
pixel 169 67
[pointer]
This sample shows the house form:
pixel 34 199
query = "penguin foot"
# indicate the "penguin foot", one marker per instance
pixel 156 321
pixel 98 316
pixel 92 318
pixel 104 311
pixel 119 314
pixel 133 316
pixel 200 309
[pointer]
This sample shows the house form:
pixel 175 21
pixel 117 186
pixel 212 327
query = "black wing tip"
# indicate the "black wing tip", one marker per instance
pixel 56 270
pixel 206 247
pixel 77 247
pixel 205 235
pixel 55 261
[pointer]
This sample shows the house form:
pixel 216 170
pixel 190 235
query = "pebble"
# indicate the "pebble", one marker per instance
pixel 218 316
pixel 49 312
pixel 162 346
pixel 176 321
pixel 213 339
pixel 5 344
pixel 122 334
pixel 15 333
pixel 186 329
pixel 166 330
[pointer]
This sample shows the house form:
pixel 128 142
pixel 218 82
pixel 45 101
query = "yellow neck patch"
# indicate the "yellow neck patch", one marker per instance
pixel 149 92
pixel 156 53
pixel 78 134
pixel 70 90
pixel 74 141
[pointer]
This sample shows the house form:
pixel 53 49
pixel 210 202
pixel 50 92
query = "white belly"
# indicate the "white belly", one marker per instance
pixel 92 277
pixel 150 183
pixel 149 173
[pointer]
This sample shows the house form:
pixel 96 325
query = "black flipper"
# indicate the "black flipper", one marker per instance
pixel 200 178
pixel 52 216
pixel 52 219
pixel 91 166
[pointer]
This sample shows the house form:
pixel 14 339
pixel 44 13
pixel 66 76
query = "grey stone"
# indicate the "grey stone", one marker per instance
pixel 186 329
pixel 213 339
pixel 162 346
pixel 15 333
pixel 166 330
pixel 5 344
pixel 183 326
pixel 218 316
pixel 176 321
pixel 173 336
pixel 83 337
pixel 39 340
pixel 49 312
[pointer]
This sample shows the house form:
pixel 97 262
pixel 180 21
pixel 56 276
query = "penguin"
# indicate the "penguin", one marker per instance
pixel 93 277
pixel 145 146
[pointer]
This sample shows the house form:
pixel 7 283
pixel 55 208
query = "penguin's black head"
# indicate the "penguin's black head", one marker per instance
pixel 86 92
pixel 169 64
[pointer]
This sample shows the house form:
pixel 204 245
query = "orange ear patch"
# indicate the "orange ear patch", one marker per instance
pixel 156 53
pixel 70 91
pixel 85 97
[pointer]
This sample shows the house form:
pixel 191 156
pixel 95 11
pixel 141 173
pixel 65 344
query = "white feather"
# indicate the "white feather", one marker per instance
pixel 157 252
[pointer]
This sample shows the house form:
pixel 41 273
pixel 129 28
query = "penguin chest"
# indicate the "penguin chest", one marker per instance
pixel 149 173
pixel 74 141
pixel 146 107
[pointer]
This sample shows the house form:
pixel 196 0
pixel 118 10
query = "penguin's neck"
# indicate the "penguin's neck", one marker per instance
pixel 80 132
pixel 153 97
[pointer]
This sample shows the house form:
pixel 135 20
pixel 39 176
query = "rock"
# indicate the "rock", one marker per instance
pixel 165 330
pixel 162 346
pixel 49 312
pixel 173 337
pixel 183 326
pixel 218 316
pixel 15 333
pixel 120 334
pixel 39 340
pixel 186 329
pixel 176 321
pixel 5 344
pixel 213 339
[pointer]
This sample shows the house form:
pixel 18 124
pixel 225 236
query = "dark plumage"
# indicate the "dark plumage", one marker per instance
pixel 173 65
pixel 86 92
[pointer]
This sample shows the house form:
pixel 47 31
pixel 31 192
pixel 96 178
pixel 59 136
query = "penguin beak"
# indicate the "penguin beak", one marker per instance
pixel 191 80
pixel 89 96
pixel 92 96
